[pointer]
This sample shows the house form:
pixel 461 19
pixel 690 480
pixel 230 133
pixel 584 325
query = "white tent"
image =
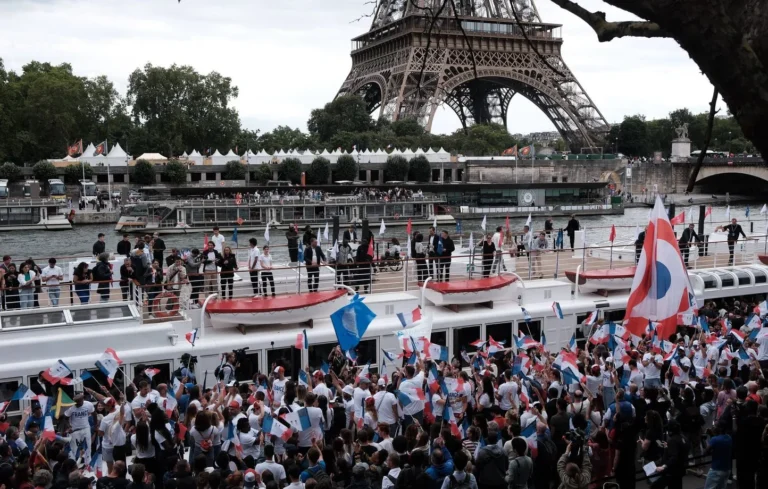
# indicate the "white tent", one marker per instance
pixel 218 158
pixel 184 155
pixel 195 158
pixel 152 157
pixel 232 155
pixel 88 152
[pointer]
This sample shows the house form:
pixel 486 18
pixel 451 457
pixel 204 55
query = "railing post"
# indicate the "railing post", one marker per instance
pixel 557 263
pixel 298 273
pixel 406 265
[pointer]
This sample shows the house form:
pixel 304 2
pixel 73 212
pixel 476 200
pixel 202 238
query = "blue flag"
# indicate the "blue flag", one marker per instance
pixel 351 322
pixel 19 392
pixel 304 419
pixel 266 424
pixel 234 235
pixel 704 323
pixel 559 239
pixel 325 368
pixel 301 252
pixel 625 378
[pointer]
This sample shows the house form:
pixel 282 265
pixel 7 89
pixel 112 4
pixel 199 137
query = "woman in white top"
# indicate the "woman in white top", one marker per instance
pixel 249 439
pixel 486 398
pixel 26 279
pixel 142 443
pixel 265 269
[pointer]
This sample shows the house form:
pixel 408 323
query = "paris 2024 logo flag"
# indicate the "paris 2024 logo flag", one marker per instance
pixel 661 289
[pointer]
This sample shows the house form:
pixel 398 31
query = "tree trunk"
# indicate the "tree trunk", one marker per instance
pixel 729 42
pixel 707 137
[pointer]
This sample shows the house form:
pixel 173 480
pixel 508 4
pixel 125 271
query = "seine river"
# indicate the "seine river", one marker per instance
pixel 78 242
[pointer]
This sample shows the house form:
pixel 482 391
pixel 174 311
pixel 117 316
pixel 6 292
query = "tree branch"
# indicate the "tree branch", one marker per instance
pixel 608 31
pixel 707 137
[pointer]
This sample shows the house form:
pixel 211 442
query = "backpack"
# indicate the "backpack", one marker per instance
pixel 463 484
pixel 320 475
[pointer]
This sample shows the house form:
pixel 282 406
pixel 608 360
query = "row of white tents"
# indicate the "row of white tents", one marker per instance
pixel 118 157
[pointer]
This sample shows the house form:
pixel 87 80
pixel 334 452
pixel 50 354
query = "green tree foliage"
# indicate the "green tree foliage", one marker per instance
pixel 234 170
pixel 419 170
pixel 10 172
pixel 74 173
pixel 319 171
pixel 285 138
pixel 346 168
pixel 181 108
pixel 176 172
pixel 396 168
pixel 290 169
pixel 44 171
pixel 633 136
pixel 407 127
pixel 143 173
pixel 345 113
pixel 262 174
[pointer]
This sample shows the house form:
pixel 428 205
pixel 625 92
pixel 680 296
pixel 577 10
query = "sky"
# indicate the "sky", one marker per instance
pixel 290 56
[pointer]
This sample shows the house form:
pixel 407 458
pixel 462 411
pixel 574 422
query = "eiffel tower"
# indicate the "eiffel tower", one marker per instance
pixel 474 58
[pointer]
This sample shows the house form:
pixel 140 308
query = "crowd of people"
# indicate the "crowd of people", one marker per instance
pixel 497 417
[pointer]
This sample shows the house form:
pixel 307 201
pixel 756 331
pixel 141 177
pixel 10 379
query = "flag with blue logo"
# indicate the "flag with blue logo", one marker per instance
pixel 557 310
pixel 301 252
pixel 351 322
pixel 526 316
pixel 389 356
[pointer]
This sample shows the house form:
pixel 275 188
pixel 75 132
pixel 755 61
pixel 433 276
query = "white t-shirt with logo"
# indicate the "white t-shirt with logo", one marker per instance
pixel 78 416
pixel 53 273
pixel 651 370
pixel 278 389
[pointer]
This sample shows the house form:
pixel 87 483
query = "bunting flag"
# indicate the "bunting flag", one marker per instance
pixel 192 336
pixel 302 342
pixel 55 374
pixel 62 401
pixel 412 318
pixel 109 363
pixel 557 310
pixel 276 428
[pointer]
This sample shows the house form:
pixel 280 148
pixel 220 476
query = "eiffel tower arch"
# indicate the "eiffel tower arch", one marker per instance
pixel 473 59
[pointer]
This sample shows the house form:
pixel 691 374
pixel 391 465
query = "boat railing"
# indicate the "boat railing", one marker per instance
pixel 30 202
pixel 294 199
pixel 385 272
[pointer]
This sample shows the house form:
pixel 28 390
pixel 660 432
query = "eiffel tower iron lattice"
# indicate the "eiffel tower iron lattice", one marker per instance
pixel 420 54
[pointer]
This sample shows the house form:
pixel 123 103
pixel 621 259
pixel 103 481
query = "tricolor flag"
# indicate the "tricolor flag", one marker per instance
pixel 233 438
pixel 48 431
pixel 465 356
pixel 526 316
pixel 738 335
pixel 437 353
pixel 351 356
pixel 557 310
pixel 600 335
pixel 572 343
pixel 22 393
pixel 494 346
pixel 302 342
pixel 364 373
pixel 389 356
pixel 743 354
pixel 478 344
pixel 543 341
pixel 525 342
pixel 383 372
pixel 96 464
pixel 451 418
pixel 325 368
pixel 704 323
pixel 108 363
pixel 591 318
pixel 151 372
pixel 191 336
pixel 4 406
pixel 276 428
pixel 433 379
pixel 414 316
pixel 55 374
pixel 618 330
pixel 408 395
pixel 753 322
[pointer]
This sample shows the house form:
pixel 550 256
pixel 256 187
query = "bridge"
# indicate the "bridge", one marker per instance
pixel 743 175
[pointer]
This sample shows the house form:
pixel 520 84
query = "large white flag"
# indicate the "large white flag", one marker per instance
pixel 728 213
pixel 528 221
pixel 266 234
pixel 483 224
pixel 764 210
pixel 325 232
pixel 382 228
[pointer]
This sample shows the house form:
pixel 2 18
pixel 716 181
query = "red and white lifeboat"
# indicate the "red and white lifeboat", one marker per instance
pixel 604 280
pixel 763 259
pixel 283 309
pixel 476 291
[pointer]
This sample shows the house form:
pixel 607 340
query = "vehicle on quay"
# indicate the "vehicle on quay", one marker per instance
pixel 88 191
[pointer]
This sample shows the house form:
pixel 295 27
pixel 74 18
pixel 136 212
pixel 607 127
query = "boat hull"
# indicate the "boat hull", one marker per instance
pixel 287 309
pixel 130 228
pixel 613 279
pixel 477 291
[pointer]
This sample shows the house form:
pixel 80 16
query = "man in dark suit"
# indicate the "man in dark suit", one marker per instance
pixel 571 228
pixel 313 257
pixel 158 248
pixel 639 245
pixel 432 241
pixel 445 248
pixel 689 236
pixel 733 230
pixel 350 235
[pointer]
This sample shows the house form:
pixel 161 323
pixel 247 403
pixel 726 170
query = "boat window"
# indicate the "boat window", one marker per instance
pixel 80 315
pixel 615 316
pixel 162 377
pixel 281 357
pixel 709 280
pixel 743 277
pixel 319 354
pixel 8 388
pixel 248 366
pixel 760 276
pixel 33 384
pixel 366 352
pixel 462 337
pixel 501 332
pixel 439 337
pixel 531 328
pixel 98 378
pixel 726 279
pixel 34 319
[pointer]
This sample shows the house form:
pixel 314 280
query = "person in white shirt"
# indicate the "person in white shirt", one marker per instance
pixel 361 393
pixel 700 360
pixel 294 473
pixel 142 442
pixel 579 405
pixel 386 406
pixel 316 419
pixel 26 278
pixel 253 265
pixel 762 348
pixel 269 464
pixel 112 434
pixel 278 385
pixel 81 429
pixel 414 410
pixel 498 259
pixel 210 256
pixel 51 276
pixel 652 369
pixel 265 270
pixel 249 439
pixel 393 463
pixel 144 397
pixel 635 375
pixel 217 240
pixel 321 389
pixel 609 382
pixel 349 406
pixel 385 441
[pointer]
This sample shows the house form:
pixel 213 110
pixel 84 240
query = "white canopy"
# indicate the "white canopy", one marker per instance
pixel 233 154
pixel 152 157
pixel 184 154
pixel 117 152
pixel 88 152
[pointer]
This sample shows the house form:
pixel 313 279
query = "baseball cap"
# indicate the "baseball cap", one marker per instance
pixel 318 373
pixel 685 362
pixel 365 380
pixel 249 479
pixel 234 404
pixel 381 382
pixel 695 342
pixel 279 370
pixel 232 383
pixel 609 360
pixel 348 390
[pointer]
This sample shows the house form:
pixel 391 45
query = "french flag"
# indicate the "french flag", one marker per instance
pixel 96 465
pixel 351 355
pixel 738 335
pixel 303 379
pixel 494 346
pixel 543 341
pixel 591 318
pixel 600 335
pixel 526 316
pixel 726 324
pixel 433 379
pixel 438 353
pixel 48 431
pixel 276 428
pixel 55 374
pixel 302 342
pixel 572 344
pixel 108 363
pixel 478 344
pixel 743 354
pixel 754 322
pixel 389 356
pixel 151 372
pixel 191 336
pixel 365 373
pixel 4 406
pixel 383 372
pixel 618 330
pixel 412 318
pixel 557 310
pixel 525 342
pixel 704 323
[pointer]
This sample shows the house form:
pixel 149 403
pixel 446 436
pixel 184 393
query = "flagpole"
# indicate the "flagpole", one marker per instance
pixel 109 176
pixel 610 262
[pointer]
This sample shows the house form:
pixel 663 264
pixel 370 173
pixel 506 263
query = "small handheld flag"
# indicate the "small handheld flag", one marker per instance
pixel 557 310
pixel 302 342
pixel 108 363
pixel 192 336
pixel 526 316
pixel 389 356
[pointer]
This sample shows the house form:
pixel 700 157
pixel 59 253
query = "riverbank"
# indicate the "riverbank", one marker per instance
pixel 694 199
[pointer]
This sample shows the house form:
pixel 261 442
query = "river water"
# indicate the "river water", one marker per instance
pixel 78 242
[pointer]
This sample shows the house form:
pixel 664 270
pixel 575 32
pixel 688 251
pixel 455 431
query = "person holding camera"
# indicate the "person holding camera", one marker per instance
pixel 573 476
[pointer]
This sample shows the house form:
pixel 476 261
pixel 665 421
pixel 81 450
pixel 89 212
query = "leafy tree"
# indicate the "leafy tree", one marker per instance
pixel 290 169
pixel 319 171
pixel 633 136
pixel 143 173
pixel 346 168
pixel 345 113
pixel 176 172
pixel 419 170
pixel 181 108
pixel 285 138
pixel 234 170
pixel 44 171
pixel 74 173
pixel 262 174
pixel 396 168
pixel 407 127
pixel 10 172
